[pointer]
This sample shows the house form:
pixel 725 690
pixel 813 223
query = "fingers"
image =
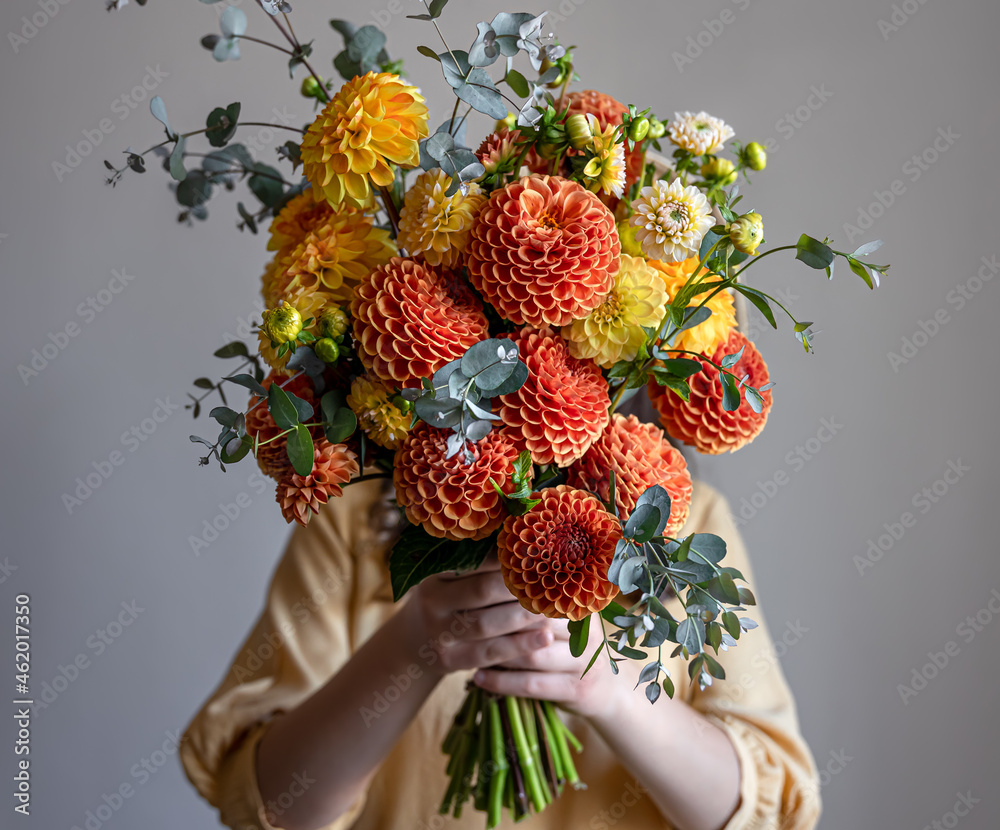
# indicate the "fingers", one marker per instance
pixel 478 589
pixel 469 654
pixel 498 620
pixel 555 657
pixel 557 687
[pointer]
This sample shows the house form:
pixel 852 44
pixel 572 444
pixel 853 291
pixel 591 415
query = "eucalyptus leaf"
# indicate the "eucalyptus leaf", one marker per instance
pixel 233 22
pixel 813 253
pixel 177 169
pixel 248 382
pixel 579 632
pixel 159 111
pixel 691 634
pixel 300 448
pixel 644 523
pixel 281 408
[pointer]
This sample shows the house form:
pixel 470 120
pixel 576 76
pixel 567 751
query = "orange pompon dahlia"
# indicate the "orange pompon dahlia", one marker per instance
pixel 640 456
pixel 435 226
pixel 334 465
pixel 334 256
pixel 297 218
pixel 562 408
pixel 544 251
pixel 272 454
pixel 706 337
pixel 375 121
pixel 555 558
pixel 701 421
pixel 449 497
pixel 410 319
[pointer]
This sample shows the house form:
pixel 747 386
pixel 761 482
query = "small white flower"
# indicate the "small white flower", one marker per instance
pixel 672 220
pixel 699 133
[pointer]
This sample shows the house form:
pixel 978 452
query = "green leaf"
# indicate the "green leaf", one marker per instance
pixel 417 555
pixel 813 253
pixel 597 653
pixel 713 634
pixel 300 448
pixel 281 408
pixel 612 610
pixel 266 184
pixel 249 382
pixel 759 301
pixel 644 523
pixel 682 367
pixel 668 686
pixel 691 634
pixel 222 124
pixel 579 633
pixel 236 449
pixel 658 497
pixel 434 10
pixel 676 385
pixel 159 111
pixel 859 269
pixel 730 360
pixel 304 410
pixel 427 52
pixel 177 169
pixel 339 421
pixel 730 392
pixel 235 349
pixel 517 82
pixel 204 383
pixel 732 624
pixel 653 692
pixel 224 415
pixel 714 668
pixel 491 362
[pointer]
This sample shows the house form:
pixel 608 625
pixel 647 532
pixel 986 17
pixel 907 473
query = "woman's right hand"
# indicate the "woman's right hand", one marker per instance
pixel 471 621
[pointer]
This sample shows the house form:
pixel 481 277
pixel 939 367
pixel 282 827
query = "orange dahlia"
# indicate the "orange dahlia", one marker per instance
pixel 562 408
pixel 544 251
pixel 555 558
pixel 272 457
pixel 375 121
pixel 300 215
pixel 701 421
pixel 300 496
pixel 410 319
pixel 640 456
pixel 705 337
pixel 334 255
pixel 499 151
pixel 449 497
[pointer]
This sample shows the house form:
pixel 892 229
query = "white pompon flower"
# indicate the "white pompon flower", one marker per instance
pixel 671 220
pixel 699 133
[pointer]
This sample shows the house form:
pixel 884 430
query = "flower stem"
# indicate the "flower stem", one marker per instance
pixel 498 756
pixel 390 208
pixel 525 759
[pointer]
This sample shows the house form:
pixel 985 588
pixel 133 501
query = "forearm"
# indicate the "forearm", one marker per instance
pixel 333 738
pixel 686 763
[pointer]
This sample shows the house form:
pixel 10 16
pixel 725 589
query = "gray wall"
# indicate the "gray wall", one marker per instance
pixel 853 635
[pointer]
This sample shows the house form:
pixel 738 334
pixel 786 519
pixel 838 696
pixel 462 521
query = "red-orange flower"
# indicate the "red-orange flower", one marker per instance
pixel 640 456
pixel 544 251
pixel 555 558
pixel 272 457
pixel 702 421
pixel 562 407
pixel 410 319
pixel 300 496
pixel 448 497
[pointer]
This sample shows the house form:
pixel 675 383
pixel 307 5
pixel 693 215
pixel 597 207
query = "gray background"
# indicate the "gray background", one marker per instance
pixel 887 94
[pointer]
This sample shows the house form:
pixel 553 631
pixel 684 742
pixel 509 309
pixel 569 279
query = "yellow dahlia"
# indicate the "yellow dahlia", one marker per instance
pixel 300 215
pixel 671 220
pixel 705 337
pixel 435 226
pixel 308 305
pixel 613 330
pixel 375 121
pixel 699 133
pixel 382 421
pixel 335 256
pixel 606 170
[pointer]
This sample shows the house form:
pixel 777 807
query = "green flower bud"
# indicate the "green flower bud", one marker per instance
pixel 311 88
pixel 722 171
pixel 333 323
pixel 755 156
pixel 281 324
pixel 747 232
pixel 327 350
pixel 639 129
pixel 578 131
pixel 401 403
pixel 657 129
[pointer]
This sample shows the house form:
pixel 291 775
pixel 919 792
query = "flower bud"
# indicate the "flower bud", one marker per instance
pixel 311 88
pixel 657 129
pixel 401 403
pixel 327 350
pixel 509 123
pixel 333 322
pixel 721 171
pixel 755 156
pixel 639 128
pixel 626 235
pixel 746 233
pixel 281 324
pixel 578 131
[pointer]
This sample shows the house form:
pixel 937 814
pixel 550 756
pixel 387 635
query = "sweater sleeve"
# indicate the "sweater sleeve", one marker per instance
pixel 306 632
pixel 755 708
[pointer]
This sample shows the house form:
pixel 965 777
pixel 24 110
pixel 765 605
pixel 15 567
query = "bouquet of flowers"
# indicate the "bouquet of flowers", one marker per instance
pixel 468 322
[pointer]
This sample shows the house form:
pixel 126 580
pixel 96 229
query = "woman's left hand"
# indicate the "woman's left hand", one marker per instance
pixel 553 673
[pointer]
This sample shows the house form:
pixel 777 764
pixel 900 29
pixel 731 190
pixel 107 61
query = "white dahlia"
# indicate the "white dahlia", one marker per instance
pixel 671 220
pixel 699 133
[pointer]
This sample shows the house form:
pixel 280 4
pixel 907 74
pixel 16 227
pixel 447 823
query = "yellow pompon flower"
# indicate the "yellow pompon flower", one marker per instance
pixel 613 330
pixel 376 120
pixel 606 170
pixel 335 256
pixel 296 219
pixel 435 226
pixel 308 305
pixel 699 133
pixel 671 220
pixel 382 421
pixel 705 337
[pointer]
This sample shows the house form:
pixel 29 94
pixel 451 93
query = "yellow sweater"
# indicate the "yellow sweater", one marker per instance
pixel 331 591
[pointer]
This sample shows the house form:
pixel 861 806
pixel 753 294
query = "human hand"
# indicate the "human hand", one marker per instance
pixel 469 620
